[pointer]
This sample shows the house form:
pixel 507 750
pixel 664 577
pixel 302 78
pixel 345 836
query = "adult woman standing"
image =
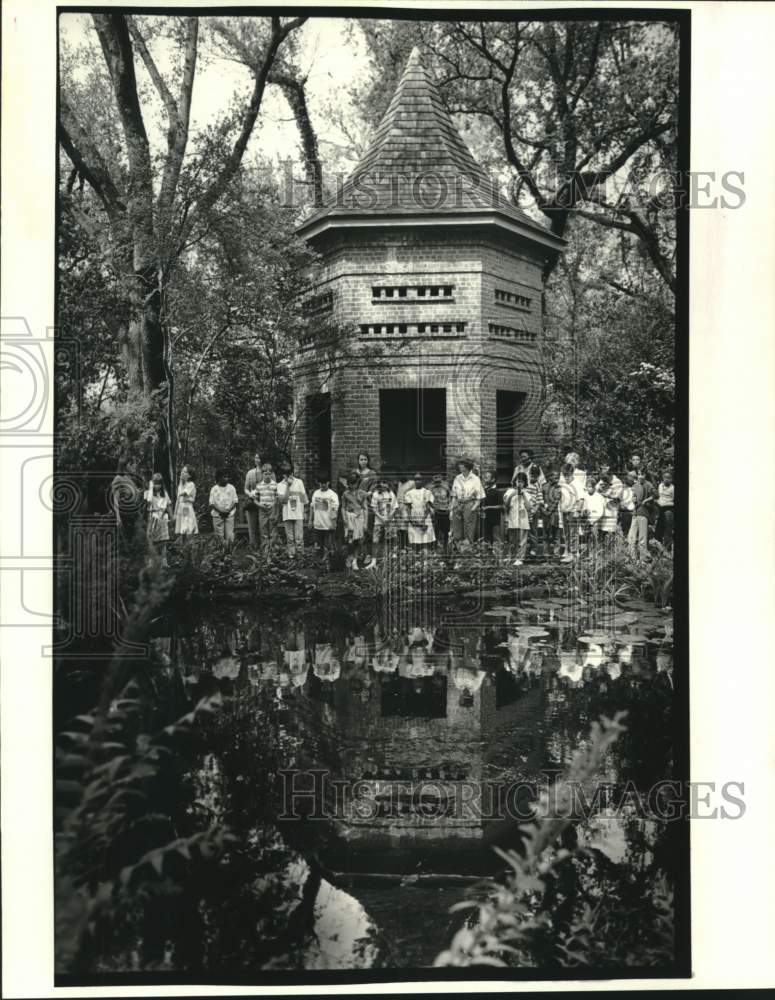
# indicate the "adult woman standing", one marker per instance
pixel 185 515
pixel 467 494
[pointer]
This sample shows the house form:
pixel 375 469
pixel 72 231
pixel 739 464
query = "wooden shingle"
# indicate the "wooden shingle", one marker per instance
pixel 417 163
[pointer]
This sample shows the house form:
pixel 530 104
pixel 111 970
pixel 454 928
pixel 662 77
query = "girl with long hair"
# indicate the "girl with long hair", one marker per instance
pixel 185 515
pixel 159 505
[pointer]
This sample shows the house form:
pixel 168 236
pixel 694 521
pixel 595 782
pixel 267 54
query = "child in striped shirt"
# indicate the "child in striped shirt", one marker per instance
pixel 535 502
pixel 265 496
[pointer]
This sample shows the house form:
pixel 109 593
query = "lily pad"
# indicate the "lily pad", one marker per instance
pixel 596 638
pixel 531 632
pixel 619 620
pixel 655 618
pixel 638 605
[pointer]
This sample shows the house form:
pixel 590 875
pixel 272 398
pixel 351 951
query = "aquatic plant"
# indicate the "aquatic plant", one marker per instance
pixel 615 572
pixel 536 917
pixel 201 565
pixel 117 842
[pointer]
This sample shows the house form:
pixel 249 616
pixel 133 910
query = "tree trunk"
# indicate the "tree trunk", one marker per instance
pixel 146 360
pixel 143 336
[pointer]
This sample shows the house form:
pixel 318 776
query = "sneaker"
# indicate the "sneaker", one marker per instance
pixel 518 562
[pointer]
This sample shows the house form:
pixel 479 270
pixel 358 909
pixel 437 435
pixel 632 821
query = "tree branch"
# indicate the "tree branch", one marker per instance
pixel 591 66
pixel 638 227
pixel 88 160
pixel 261 72
pixel 592 178
pixel 178 113
pixel 294 92
pixel 163 90
pixel 117 49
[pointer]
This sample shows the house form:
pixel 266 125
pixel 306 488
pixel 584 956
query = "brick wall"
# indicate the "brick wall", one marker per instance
pixel 499 349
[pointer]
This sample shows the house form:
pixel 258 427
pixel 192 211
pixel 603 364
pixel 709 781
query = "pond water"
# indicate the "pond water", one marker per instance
pixel 379 751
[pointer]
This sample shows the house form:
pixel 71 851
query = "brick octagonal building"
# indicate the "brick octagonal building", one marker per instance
pixel 438 281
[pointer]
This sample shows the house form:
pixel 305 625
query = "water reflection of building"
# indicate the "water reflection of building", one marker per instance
pixel 409 590
pixel 417 716
pixel 430 718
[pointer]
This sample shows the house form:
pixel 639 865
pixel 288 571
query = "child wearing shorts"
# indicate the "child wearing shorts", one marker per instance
pixel 384 504
pixel 354 518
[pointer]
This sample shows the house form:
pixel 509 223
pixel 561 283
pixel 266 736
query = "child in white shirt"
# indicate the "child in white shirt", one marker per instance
pixel 401 521
pixel 611 493
pixel 323 512
pixel 569 505
pixel 515 504
pixel 419 503
pixel 665 503
pixel 467 495
pixel 223 504
pixel 593 510
pixel 384 505
pixel 292 499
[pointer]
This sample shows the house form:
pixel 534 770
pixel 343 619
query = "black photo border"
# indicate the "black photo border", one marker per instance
pixel 681 967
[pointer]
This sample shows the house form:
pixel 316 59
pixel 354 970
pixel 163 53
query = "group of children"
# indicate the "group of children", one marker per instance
pixel 160 510
pixel 543 515
pixel 367 509
pixel 572 510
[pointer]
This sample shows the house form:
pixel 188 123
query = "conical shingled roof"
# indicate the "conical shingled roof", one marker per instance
pixel 418 165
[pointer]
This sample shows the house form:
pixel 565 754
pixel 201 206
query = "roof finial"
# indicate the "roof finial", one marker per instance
pixel 415 57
